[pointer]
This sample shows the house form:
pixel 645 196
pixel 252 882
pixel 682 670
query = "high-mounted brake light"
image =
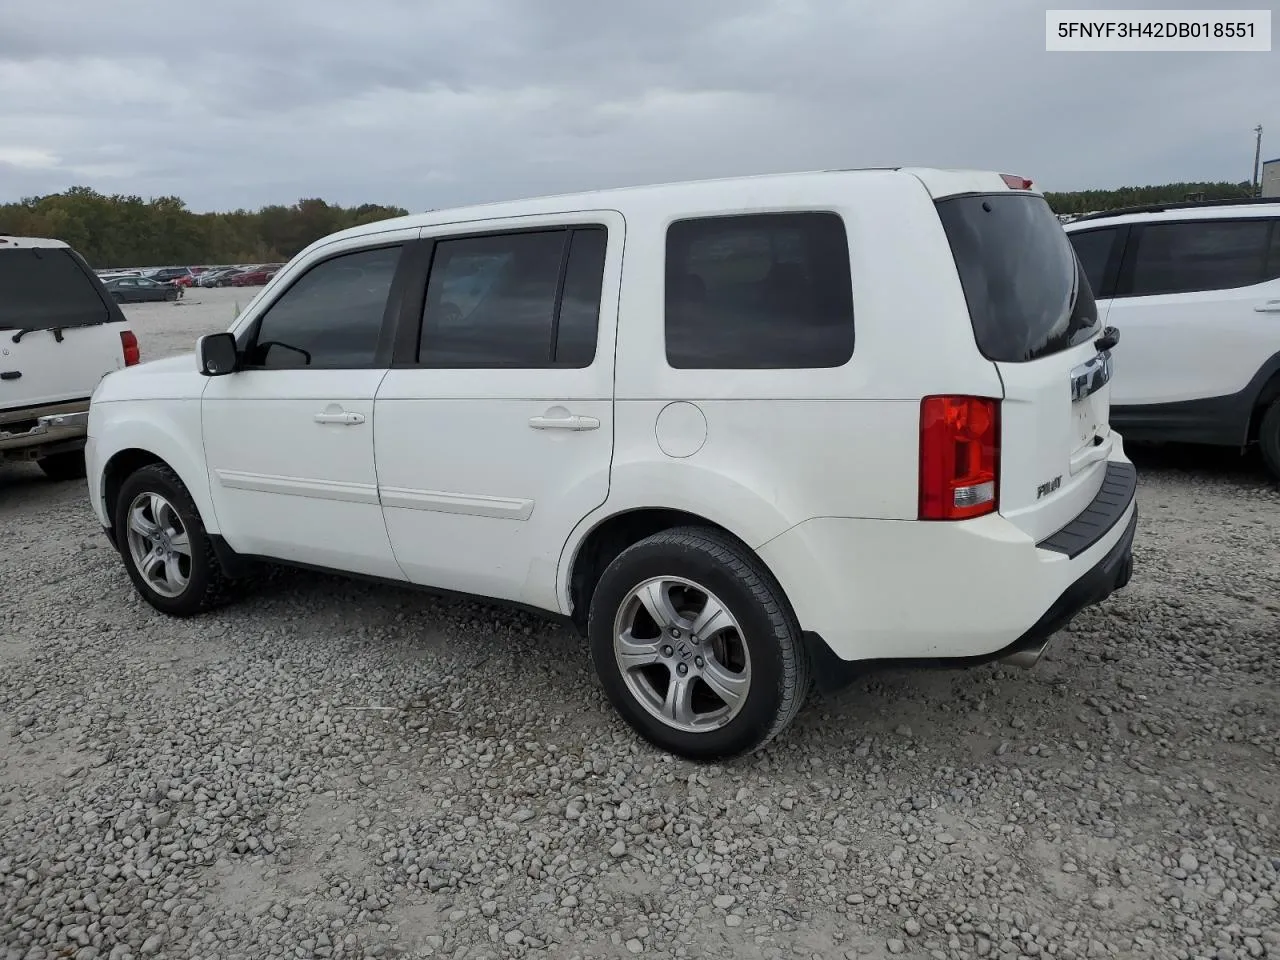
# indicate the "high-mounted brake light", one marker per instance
pixel 1014 182
pixel 959 457
pixel 129 342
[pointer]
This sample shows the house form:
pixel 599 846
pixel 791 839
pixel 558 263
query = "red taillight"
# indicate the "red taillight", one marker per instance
pixel 129 342
pixel 1014 182
pixel 959 457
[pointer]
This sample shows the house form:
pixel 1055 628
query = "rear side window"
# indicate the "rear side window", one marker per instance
pixel 331 318
pixel 758 292
pixel 529 299
pixel 44 287
pixel 1093 248
pixel 1273 258
pixel 1199 255
pixel 1028 296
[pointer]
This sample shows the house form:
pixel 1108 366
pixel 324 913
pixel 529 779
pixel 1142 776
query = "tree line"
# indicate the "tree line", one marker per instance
pixel 1087 201
pixel 128 231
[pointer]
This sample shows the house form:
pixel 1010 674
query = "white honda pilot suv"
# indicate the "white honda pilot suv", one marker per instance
pixel 743 434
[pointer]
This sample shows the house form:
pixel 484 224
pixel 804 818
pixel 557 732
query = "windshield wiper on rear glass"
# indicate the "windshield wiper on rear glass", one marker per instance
pixel 57 333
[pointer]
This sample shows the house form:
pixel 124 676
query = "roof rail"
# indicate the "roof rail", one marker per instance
pixel 1176 205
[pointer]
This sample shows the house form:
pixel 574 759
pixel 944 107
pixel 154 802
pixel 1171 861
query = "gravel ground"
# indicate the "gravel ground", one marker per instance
pixel 333 769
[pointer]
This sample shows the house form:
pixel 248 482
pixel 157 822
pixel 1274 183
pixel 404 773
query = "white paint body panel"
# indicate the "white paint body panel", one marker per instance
pixel 286 486
pixel 446 484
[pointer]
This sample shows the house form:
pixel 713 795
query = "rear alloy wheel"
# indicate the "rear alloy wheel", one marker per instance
pixel 1269 439
pixel 696 646
pixel 681 654
pixel 63 466
pixel 166 551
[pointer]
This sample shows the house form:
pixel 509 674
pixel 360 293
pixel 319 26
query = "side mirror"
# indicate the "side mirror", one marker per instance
pixel 216 354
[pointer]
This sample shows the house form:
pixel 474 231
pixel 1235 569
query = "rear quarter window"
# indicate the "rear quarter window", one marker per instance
pixel 45 287
pixel 1027 294
pixel 759 292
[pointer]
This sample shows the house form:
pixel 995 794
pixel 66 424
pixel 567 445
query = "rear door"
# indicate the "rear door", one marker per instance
pixel 1198 304
pixel 59 331
pixel 1034 316
pixel 494 429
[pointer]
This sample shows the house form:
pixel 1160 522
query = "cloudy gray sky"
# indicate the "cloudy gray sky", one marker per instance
pixel 232 103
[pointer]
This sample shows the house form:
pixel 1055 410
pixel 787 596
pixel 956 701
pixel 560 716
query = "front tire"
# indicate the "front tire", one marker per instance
pixel 696 645
pixel 1269 439
pixel 165 548
pixel 63 466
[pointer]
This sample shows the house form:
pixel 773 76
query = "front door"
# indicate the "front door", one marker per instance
pixel 494 433
pixel 289 437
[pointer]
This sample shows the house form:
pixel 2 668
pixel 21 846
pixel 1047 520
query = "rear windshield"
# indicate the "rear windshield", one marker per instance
pixel 44 287
pixel 1027 295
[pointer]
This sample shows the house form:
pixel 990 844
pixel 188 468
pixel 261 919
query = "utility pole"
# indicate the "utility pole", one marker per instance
pixel 1257 157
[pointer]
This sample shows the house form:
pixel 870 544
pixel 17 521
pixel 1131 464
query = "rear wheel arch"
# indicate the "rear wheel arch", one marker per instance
pixel 1268 394
pixel 613 534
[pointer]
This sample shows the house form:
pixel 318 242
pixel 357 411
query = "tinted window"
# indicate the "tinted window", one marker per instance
pixel 45 287
pixel 498 300
pixel 1199 255
pixel 579 321
pixel 1273 258
pixel 332 316
pixel 762 291
pixel 1028 296
pixel 1093 248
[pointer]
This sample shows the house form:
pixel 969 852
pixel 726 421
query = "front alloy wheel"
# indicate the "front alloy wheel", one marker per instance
pixel 159 544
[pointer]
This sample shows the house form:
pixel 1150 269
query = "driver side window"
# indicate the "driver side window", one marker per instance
pixel 331 317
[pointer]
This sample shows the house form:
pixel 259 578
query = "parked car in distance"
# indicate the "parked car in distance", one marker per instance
pixel 141 290
pixel 168 274
pixel 216 277
pixel 631 409
pixel 1194 288
pixel 59 335
pixel 253 277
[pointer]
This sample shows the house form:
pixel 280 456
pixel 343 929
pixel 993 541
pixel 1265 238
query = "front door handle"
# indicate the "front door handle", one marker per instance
pixel 570 422
pixel 1269 306
pixel 348 419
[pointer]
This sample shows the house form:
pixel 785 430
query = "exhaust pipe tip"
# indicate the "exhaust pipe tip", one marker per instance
pixel 1026 658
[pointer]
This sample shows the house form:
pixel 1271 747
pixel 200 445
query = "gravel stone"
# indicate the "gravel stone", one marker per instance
pixel 336 769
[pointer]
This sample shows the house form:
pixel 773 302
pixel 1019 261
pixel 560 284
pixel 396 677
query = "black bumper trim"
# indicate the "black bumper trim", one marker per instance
pixel 1102 513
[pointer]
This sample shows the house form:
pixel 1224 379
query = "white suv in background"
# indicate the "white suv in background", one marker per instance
pixel 741 433
pixel 1195 290
pixel 60 333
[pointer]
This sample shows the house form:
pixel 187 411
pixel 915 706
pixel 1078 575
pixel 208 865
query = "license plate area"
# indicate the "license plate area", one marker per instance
pixel 1090 422
pixel 1090 409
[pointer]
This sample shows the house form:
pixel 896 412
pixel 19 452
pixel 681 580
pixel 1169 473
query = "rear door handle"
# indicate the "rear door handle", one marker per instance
pixel 1269 306
pixel 348 419
pixel 571 422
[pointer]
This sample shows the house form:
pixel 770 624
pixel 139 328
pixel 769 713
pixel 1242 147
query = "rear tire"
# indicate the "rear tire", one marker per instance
pixel 165 548
pixel 63 466
pixel 1269 439
pixel 748 669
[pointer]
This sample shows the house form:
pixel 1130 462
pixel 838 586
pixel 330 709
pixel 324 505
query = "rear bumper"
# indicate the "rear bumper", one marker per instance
pixel 1109 574
pixel 970 591
pixel 37 431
